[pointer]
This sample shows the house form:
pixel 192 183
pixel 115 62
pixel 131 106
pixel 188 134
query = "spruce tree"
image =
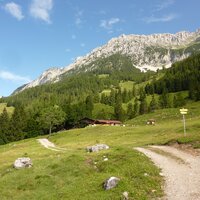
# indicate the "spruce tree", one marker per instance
pixel 130 111
pixel 118 110
pixel 18 123
pixel 153 104
pixel 136 107
pixel 89 106
pixel 4 127
pixel 143 106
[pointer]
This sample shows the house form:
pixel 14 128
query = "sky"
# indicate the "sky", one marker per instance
pixel 39 34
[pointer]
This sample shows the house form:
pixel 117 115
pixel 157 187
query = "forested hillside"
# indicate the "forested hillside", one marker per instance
pixel 114 89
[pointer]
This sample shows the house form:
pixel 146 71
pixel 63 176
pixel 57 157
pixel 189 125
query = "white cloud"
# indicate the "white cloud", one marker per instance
pixel 166 18
pixel 13 77
pixel 15 10
pixel 40 9
pixel 78 16
pixel 108 24
pixel 82 44
pixel 164 4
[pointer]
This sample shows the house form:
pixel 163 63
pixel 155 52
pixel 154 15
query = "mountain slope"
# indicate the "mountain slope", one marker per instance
pixel 147 52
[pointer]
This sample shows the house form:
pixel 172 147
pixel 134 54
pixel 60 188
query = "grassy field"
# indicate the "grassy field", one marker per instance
pixel 128 85
pixel 9 109
pixel 78 175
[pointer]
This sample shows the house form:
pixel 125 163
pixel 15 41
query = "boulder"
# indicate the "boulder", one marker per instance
pixel 97 147
pixel 111 183
pixel 23 163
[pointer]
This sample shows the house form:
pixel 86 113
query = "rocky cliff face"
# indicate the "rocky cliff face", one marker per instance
pixel 147 52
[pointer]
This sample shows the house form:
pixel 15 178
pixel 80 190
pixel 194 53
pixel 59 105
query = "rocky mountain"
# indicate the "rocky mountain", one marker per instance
pixel 147 52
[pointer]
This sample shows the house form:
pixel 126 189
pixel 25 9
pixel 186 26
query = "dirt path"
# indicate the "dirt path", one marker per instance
pixel 181 171
pixel 49 145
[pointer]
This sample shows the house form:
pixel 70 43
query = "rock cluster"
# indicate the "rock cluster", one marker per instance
pixel 97 147
pixel 23 163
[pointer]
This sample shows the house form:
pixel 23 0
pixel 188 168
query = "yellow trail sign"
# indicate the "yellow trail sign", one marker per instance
pixel 183 110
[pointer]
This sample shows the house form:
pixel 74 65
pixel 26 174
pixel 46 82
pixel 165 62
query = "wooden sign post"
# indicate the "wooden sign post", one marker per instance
pixel 184 111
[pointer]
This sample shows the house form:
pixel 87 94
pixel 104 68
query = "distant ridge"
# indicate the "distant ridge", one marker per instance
pixel 147 52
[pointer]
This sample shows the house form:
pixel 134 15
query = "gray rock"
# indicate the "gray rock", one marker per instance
pixel 111 183
pixel 23 163
pixel 97 147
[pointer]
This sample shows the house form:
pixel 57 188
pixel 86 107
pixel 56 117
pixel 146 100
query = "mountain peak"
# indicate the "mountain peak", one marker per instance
pixel 147 52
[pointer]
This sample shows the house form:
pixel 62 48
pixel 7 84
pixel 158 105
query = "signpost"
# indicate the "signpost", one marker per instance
pixel 184 111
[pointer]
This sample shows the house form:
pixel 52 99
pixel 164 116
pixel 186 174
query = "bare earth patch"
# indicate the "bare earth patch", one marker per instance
pixel 182 179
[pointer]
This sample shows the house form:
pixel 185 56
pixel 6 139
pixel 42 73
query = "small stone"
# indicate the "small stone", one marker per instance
pixel 97 147
pixel 111 183
pixel 125 195
pixel 23 163
pixel 105 159
pixel 145 174
pixel 161 174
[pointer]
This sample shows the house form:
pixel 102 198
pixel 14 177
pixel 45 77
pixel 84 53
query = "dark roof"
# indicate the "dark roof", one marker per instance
pixel 100 121
pixel 108 121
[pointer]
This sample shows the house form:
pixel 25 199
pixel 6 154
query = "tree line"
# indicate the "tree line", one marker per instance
pixel 183 75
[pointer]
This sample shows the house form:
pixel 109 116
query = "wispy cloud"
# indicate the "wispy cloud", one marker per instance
pixel 164 4
pixel 13 77
pixel 78 17
pixel 67 50
pixel 102 12
pixel 15 10
pixel 40 9
pixel 108 24
pixel 166 18
pixel 82 44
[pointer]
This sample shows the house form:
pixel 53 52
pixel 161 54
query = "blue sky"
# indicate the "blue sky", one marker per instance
pixel 38 34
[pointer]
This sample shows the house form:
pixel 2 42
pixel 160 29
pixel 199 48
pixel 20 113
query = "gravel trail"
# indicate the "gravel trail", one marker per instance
pixel 49 145
pixel 182 179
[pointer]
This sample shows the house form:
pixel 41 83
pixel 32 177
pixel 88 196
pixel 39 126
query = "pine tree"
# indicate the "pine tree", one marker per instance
pixel 136 107
pixel 4 127
pixel 118 110
pixel 143 106
pixel 18 123
pixel 143 103
pixel 164 99
pixel 112 97
pixel 89 106
pixel 153 104
pixel 130 111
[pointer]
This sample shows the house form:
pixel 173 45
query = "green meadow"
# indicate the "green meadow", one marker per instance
pixel 75 174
